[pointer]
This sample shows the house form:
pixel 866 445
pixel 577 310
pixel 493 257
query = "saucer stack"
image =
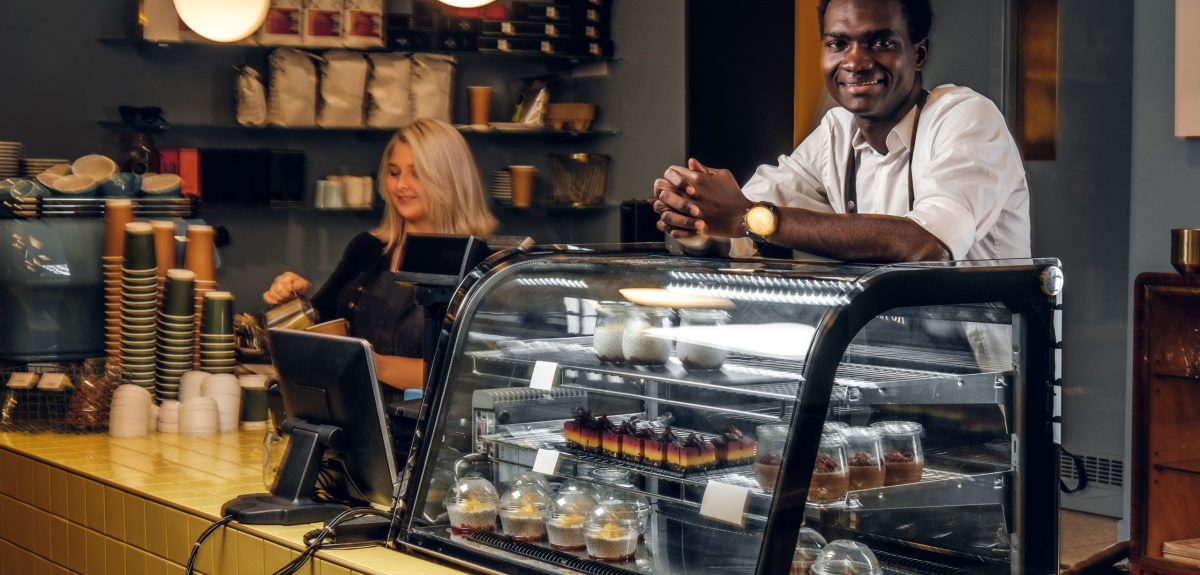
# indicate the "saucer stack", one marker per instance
pixel 139 306
pixel 217 353
pixel 34 166
pixel 226 391
pixel 198 417
pixel 117 213
pixel 168 416
pixel 10 159
pixel 174 349
pixel 129 415
pixel 198 257
pixel 502 186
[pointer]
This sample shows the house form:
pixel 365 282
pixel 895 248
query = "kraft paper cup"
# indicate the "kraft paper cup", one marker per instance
pixel 117 213
pixel 522 185
pixel 164 245
pixel 481 104
pixel 198 255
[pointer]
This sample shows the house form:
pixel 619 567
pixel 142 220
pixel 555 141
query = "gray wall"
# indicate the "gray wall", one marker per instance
pixel 1165 170
pixel 73 81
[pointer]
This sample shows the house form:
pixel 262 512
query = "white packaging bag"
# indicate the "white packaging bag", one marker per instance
pixel 362 24
pixel 432 85
pixel 389 91
pixel 343 86
pixel 283 24
pixel 293 95
pixel 251 98
pixel 323 23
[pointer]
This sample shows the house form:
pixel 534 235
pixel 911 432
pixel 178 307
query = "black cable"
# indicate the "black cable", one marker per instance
pixel 318 540
pixel 191 564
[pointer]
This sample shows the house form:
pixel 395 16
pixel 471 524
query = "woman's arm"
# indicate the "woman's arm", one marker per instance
pixel 400 372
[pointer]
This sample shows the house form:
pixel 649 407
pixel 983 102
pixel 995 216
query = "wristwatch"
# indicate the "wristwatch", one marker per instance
pixel 760 221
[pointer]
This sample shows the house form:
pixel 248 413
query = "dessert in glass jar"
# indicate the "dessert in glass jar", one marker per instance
pixel 610 327
pixel 864 457
pixel 472 504
pixel 830 479
pixel 844 556
pixel 808 548
pixel 610 531
pixel 639 347
pixel 695 356
pixel 903 458
pixel 521 511
pixel 564 518
pixel 769 454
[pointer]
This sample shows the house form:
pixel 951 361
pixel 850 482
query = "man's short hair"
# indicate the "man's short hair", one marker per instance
pixel 917 13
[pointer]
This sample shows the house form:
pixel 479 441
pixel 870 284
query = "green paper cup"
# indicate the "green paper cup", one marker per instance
pixel 218 313
pixel 139 246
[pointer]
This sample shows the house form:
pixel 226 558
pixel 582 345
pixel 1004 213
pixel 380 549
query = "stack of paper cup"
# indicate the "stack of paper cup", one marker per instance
pixel 198 417
pixel 164 247
pixel 117 213
pixel 139 303
pixel 129 414
pixel 226 391
pixel 198 257
pixel 175 346
pixel 254 401
pixel 168 416
pixel 217 345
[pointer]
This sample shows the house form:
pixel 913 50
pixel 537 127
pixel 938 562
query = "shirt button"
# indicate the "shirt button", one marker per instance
pixel 851 206
pixel 352 306
pixel 360 289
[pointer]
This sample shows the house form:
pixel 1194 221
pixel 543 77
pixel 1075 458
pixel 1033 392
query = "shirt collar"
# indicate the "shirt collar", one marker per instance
pixel 897 139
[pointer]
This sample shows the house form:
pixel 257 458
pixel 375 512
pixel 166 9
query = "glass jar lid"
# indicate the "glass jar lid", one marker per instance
pixel 704 316
pixel 612 308
pixel 834 427
pixel 846 556
pixel 771 432
pixel 832 440
pixel 613 476
pixel 898 427
pixel 861 434
pixel 651 312
pixel 473 490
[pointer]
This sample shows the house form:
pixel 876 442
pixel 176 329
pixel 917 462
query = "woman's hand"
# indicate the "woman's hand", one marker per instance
pixel 286 286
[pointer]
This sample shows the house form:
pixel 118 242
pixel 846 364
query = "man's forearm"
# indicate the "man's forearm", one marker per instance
pixel 857 237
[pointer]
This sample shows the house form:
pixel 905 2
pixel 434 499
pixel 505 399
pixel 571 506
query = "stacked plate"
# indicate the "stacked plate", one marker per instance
pixel 34 166
pixel 139 306
pixel 174 349
pixel 217 353
pixel 168 416
pixel 226 391
pixel 502 186
pixel 198 417
pixel 10 159
pixel 129 414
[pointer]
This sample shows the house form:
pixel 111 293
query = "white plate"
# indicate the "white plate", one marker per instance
pixel 778 340
pixel 515 127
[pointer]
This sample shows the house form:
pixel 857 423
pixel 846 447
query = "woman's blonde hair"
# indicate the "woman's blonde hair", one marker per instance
pixel 454 194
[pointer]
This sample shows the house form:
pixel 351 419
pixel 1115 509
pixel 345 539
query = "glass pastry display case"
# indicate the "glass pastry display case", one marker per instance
pixel 654 413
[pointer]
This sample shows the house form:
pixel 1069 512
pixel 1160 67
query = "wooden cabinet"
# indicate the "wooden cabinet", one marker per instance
pixel 1166 420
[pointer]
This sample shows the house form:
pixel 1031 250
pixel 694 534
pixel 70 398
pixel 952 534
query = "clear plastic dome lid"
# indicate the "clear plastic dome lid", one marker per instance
pixel 526 499
pixel 898 427
pixel 573 486
pixel 473 491
pixel 845 556
pixel 832 440
pixel 534 478
pixel 834 427
pixel 570 507
pixel 612 516
pixel 808 545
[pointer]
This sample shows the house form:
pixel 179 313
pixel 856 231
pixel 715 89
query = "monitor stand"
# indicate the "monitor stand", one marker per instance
pixel 291 501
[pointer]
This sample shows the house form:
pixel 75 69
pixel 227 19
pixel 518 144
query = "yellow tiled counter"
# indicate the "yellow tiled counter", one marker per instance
pixel 91 504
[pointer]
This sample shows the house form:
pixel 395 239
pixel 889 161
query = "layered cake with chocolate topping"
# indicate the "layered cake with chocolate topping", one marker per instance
pixel 610 438
pixel 693 453
pixel 734 448
pixel 584 431
pixel 631 439
pixel 654 448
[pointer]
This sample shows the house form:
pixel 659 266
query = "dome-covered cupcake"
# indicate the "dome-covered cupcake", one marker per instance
pixel 521 512
pixel 564 518
pixel 610 531
pixel 808 547
pixel 471 504
pixel 846 556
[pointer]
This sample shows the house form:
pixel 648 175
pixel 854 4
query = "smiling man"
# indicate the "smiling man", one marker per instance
pixel 896 173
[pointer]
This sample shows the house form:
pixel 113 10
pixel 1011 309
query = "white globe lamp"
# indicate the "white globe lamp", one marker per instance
pixel 467 3
pixel 223 20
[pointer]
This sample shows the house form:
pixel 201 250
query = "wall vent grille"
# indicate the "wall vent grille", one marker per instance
pixel 1099 470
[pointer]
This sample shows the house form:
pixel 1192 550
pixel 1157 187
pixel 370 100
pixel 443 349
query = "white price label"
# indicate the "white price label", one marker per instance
pixel 22 380
pixel 544 373
pixel 546 461
pixel 724 502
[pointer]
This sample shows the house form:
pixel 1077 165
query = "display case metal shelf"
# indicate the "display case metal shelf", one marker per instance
pixel 964 348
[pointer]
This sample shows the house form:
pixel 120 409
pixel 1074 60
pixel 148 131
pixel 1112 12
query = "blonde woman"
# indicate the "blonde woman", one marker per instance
pixel 429 184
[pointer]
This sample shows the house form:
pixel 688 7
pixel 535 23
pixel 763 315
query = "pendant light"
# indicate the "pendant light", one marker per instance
pixel 223 20
pixel 466 3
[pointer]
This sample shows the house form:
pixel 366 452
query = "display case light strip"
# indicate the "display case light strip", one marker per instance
pixel 800 297
pixel 553 282
pixel 756 280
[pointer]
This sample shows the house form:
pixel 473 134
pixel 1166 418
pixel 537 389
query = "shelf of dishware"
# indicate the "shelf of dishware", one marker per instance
pixel 515 55
pixel 466 130
pixel 741 375
pixel 37 207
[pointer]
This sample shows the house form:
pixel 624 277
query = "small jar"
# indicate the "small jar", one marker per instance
pixel 864 457
pixel 903 458
pixel 610 531
pixel 610 327
pixel 641 348
pixel 845 556
pixel 830 480
pixel 695 356
pixel 768 455
pixel 521 511
pixel 564 518
pixel 472 504
pixel 808 548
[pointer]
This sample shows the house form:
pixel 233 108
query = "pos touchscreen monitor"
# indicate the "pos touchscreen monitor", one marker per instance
pixel 334 409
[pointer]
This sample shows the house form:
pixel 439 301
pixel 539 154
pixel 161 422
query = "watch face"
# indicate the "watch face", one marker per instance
pixel 761 221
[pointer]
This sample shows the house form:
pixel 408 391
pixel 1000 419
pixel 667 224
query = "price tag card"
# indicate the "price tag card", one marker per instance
pixel 724 502
pixel 546 461
pixel 54 382
pixel 22 380
pixel 544 373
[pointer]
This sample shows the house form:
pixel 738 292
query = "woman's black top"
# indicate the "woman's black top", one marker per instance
pixel 361 291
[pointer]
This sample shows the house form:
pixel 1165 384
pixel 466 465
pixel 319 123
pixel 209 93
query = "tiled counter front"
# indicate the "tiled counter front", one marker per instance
pixel 90 504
